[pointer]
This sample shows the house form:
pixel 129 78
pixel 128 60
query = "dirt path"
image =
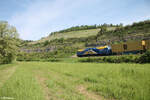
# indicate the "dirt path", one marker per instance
pixel 74 56
pixel 88 94
pixel 5 74
pixel 42 81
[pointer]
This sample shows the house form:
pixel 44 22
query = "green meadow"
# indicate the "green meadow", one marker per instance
pixel 74 81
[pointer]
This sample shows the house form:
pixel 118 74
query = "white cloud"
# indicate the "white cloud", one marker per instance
pixel 32 22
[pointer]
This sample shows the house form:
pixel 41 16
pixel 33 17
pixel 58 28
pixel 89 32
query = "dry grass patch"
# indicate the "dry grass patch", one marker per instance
pixel 89 94
pixel 6 73
pixel 42 82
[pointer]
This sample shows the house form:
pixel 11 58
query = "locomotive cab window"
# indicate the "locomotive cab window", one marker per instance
pixel 125 47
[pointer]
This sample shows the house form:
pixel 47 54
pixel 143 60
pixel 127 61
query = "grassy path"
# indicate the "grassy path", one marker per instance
pixel 22 85
pixel 75 81
pixel 6 72
pixel 46 92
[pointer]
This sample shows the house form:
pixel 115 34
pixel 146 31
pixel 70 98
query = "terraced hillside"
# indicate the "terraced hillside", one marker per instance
pixel 73 34
pixel 66 43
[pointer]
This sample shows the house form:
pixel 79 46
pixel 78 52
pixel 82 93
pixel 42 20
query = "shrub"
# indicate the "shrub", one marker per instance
pixel 7 50
pixel 54 60
pixel 145 58
pixel 113 59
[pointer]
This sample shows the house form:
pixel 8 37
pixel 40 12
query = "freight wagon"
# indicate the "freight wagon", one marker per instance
pixel 133 47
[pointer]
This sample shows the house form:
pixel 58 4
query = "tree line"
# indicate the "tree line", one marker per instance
pixel 85 27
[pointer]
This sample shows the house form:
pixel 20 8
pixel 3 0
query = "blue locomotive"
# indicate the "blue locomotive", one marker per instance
pixel 97 51
pixel 130 47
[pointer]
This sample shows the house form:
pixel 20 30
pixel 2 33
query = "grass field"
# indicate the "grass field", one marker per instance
pixel 74 81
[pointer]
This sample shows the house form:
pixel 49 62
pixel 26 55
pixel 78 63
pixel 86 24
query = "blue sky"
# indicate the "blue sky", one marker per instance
pixel 37 18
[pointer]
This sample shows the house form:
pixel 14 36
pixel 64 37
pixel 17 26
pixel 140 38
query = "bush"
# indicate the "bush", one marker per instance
pixel 54 60
pixel 7 50
pixel 36 57
pixel 1 58
pixel 112 59
pixel 145 58
pixel 8 59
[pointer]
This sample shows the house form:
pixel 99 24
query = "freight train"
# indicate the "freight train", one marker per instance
pixel 133 47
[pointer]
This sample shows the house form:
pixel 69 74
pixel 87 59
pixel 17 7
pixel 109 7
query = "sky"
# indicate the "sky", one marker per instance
pixel 35 19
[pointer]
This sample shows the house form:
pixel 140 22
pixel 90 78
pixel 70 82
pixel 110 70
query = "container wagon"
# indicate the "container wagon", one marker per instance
pixel 133 47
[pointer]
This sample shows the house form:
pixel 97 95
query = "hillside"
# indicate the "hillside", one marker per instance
pixel 78 33
pixel 65 44
pixel 72 34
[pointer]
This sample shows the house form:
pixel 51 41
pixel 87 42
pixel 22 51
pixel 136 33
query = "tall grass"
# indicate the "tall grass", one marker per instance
pixel 21 86
pixel 111 81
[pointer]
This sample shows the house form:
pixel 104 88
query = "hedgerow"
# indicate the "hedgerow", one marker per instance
pixel 144 58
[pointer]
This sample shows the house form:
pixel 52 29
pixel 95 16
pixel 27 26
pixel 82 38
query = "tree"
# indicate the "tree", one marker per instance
pixel 121 25
pixel 46 43
pixel 101 32
pixel 8 42
pixel 7 30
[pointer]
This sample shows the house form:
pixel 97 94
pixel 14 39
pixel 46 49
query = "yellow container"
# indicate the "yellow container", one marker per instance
pixel 127 46
pixel 117 48
pixel 143 42
pixel 147 44
pixel 133 46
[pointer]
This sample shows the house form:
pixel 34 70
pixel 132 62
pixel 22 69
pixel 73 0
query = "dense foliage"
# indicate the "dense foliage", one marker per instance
pixel 8 42
pixel 112 59
pixel 144 58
